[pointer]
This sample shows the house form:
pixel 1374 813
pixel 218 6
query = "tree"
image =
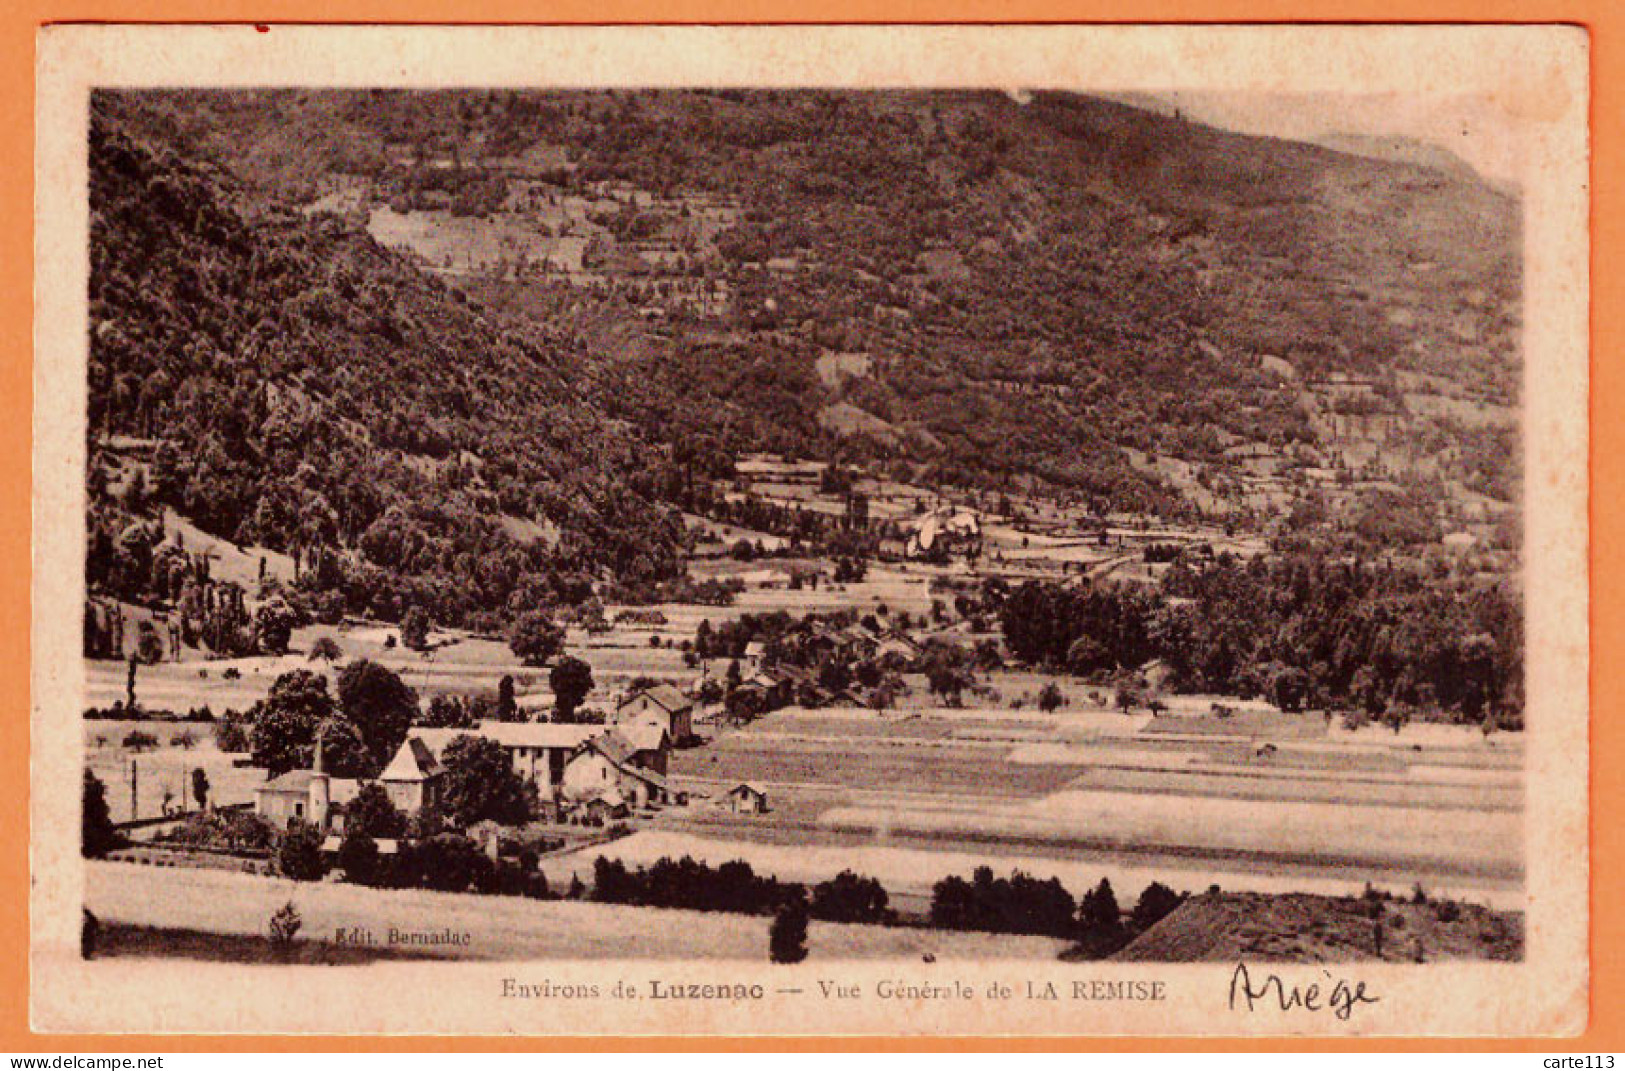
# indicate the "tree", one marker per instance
pixel 374 814
pixel 200 788
pixel 947 681
pixel 1100 921
pixel 358 858
pixel 285 725
pixel 149 646
pixel 97 835
pixel 1050 698
pixel 380 705
pixel 299 853
pixel 481 783
pixel 1154 905
pixel 849 898
pixel 507 702
pixel 571 680
pixel 325 649
pixel 415 630
pixel 1130 695
pixel 535 638
pixel 273 626
pixel 787 937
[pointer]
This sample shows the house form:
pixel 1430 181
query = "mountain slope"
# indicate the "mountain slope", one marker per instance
pixel 1040 287
pixel 317 394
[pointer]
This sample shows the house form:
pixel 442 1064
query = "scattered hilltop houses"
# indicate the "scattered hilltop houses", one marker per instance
pixel 662 704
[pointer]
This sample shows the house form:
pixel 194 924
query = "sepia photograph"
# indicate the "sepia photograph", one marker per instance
pixel 884 529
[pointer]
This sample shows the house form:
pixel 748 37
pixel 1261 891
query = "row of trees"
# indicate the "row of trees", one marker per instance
pixel 1304 631
pixel 1024 904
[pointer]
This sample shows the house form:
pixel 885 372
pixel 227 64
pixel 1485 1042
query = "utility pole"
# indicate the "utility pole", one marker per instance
pixel 133 813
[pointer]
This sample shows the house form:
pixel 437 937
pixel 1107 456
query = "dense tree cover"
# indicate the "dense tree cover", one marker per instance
pixel 481 784
pixel 1017 904
pixel 360 731
pixel 318 395
pixel 1024 904
pixel 1041 285
pixel 850 897
pixel 1305 632
pixel 688 883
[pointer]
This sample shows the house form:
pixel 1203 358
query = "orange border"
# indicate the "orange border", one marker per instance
pixel 19 21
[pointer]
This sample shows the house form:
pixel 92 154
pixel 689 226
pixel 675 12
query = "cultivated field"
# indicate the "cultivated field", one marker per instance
pixel 919 794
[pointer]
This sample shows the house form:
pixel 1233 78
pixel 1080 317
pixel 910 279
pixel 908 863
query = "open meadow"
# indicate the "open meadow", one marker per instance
pixel 502 928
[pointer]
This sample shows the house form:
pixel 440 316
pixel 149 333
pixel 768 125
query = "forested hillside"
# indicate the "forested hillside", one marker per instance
pixel 1039 283
pixel 465 350
pixel 303 389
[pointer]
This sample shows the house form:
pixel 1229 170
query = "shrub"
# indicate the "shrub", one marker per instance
pixel 787 937
pixel 224 830
pixel 139 740
pixel 299 854
pixel 97 835
pixel 849 897
pixel 358 858
pixel 283 928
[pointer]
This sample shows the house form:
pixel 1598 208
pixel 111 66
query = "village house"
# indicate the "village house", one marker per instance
pixel 539 751
pixel 303 796
pixel 612 769
pixel 662 704
pixel 311 795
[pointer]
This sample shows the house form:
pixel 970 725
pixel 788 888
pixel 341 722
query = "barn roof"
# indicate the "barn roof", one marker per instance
pixel 666 695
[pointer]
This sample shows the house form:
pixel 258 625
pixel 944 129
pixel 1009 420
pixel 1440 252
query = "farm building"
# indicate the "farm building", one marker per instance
pixel 747 798
pixel 662 704
pixel 609 767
